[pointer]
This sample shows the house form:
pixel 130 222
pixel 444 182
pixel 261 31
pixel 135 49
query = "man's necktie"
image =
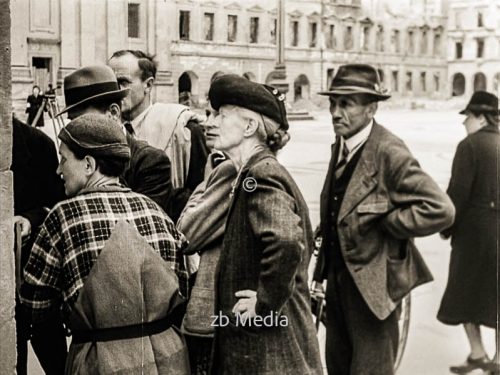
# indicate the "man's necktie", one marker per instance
pixel 339 168
pixel 128 126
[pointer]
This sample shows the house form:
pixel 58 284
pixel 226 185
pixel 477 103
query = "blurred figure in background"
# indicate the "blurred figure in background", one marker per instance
pixel 471 297
pixel 34 102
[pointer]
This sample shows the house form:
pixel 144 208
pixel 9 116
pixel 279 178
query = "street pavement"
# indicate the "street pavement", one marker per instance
pixel 432 137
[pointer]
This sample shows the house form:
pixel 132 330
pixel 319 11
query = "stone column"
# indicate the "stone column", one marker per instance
pixel 164 33
pixel 279 74
pixel 7 275
pixel 70 51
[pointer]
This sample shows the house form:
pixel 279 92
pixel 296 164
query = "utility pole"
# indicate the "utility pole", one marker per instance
pixel 7 275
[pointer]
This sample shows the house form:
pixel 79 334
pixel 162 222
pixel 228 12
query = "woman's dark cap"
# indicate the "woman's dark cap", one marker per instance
pixel 231 89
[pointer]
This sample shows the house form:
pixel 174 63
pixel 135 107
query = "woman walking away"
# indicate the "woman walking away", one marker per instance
pixel 471 296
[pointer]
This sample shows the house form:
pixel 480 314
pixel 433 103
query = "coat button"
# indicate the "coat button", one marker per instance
pixel 335 198
pixel 492 204
pixel 332 214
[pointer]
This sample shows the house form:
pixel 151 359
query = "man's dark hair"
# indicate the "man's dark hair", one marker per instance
pixel 146 62
pixel 108 166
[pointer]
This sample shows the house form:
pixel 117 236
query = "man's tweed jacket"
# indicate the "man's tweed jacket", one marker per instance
pixel 389 200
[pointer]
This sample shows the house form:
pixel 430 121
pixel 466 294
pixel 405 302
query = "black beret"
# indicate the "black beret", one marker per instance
pixel 231 89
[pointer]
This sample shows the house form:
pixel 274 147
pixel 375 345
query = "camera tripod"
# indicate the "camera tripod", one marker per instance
pixel 51 105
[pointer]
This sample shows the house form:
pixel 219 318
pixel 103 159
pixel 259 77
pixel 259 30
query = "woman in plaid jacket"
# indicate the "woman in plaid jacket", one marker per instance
pixel 110 259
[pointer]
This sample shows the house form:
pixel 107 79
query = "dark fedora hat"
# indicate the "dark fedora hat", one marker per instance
pixel 482 102
pixel 357 79
pixel 232 89
pixel 90 83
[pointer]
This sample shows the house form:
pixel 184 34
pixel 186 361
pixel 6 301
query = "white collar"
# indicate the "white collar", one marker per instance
pixel 354 142
pixel 135 122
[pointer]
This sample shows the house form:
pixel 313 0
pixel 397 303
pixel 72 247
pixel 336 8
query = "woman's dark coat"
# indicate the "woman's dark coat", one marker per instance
pixel 35 102
pixel 267 248
pixel 471 295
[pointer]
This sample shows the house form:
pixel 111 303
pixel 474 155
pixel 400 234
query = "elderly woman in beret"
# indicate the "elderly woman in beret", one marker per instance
pixel 471 296
pixel 262 314
pixel 99 257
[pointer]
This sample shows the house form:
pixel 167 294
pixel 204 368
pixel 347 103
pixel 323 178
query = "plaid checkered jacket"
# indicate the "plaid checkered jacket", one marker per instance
pixel 74 233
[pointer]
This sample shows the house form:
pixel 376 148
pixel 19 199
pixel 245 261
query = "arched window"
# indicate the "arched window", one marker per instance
pixel 479 82
pixel 458 85
pixel 301 87
pixel 188 88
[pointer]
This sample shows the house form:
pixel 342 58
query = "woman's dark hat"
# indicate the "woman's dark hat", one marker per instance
pixel 482 102
pixel 231 89
pixel 96 134
pixel 357 79
pixel 90 83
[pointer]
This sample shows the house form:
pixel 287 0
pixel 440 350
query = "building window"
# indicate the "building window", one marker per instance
pixel 458 50
pixel 330 73
pixel 380 39
pixel 423 43
pixel 274 28
pixel 458 85
pixel 254 29
pixel 330 37
pixel 232 27
pixel 295 33
pixel 395 41
pixel 313 34
pixel 395 81
pixel 209 26
pixel 348 42
pixel 411 42
pixel 365 38
pixel 437 44
pixel 184 25
pixel 436 82
pixel 133 20
pixel 480 19
pixel 409 83
pixel 458 19
pixel 423 84
pixel 480 47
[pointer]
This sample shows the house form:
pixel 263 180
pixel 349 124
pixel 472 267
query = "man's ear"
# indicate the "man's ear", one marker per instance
pixel 148 85
pixel 90 165
pixel 115 112
pixel 372 109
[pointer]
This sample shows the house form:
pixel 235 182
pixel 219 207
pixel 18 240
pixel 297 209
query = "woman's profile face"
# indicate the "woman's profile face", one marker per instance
pixel 211 128
pixel 473 123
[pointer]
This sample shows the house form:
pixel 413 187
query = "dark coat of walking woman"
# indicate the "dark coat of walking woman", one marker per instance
pixel 471 296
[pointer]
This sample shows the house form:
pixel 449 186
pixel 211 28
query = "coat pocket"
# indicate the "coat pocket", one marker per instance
pixel 369 214
pixel 406 272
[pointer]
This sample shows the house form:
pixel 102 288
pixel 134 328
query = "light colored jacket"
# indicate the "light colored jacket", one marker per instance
pixel 164 126
pixel 203 224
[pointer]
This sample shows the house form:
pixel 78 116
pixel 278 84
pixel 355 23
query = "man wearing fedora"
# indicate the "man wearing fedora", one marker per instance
pixel 375 199
pixel 94 89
